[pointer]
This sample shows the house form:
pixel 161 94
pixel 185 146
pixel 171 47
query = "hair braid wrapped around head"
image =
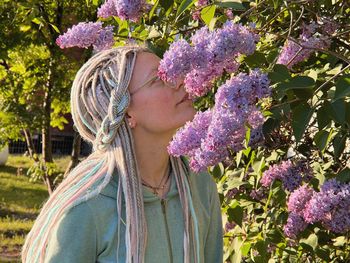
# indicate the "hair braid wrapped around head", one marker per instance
pixel 99 100
pixel 95 84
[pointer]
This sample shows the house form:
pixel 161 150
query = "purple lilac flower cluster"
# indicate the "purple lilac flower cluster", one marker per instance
pixel 125 9
pixel 292 53
pixel 295 224
pixel 290 174
pixel 259 194
pixel 86 34
pixel 330 206
pixel 191 135
pixel 207 57
pixel 212 135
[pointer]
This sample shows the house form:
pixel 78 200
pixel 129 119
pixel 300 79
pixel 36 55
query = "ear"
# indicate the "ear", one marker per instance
pixel 130 120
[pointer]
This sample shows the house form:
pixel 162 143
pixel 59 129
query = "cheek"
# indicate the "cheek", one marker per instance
pixel 154 109
pixel 158 103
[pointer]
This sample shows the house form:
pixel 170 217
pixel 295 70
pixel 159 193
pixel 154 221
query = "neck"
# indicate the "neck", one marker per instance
pixel 151 155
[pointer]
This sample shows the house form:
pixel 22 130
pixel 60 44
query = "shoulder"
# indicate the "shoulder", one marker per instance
pixel 92 212
pixel 77 223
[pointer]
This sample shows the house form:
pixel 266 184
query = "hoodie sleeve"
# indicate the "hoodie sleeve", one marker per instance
pixel 73 239
pixel 213 251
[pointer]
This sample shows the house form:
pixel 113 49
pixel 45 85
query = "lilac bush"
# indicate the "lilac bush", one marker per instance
pixel 209 61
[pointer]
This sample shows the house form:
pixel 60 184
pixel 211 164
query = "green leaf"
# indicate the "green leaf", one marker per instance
pixel 323 118
pixel 208 13
pixel 234 183
pixel 323 254
pixel 275 236
pixel 122 26
pixel 245 248
pixel 303 93
pixel 342 87
pixel 155 48
pixel 235 214
pixel 154 8
pixel 239 157
pixel 300 82
pixel 237 254
pixel 322 138
pixel 261 246
pixel 276 3
pixel 230 4
pixel 347 113
pixel 212 23
pixel 301 118
pixel 312 241
pixel 339 144
pixel 255 60
pixel 344 175
pixel 185 4
pixel 218 170
pixel 166 4
pixel 37 21
pixel 272 55
pixel 258 165
pixel 313 74
pixel 338 112
pixel 55 28
pixel 339 241
pixel 280 73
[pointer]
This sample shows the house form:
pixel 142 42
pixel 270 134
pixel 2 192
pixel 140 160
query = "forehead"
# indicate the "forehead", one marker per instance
pixel 146 62
pixel 145 67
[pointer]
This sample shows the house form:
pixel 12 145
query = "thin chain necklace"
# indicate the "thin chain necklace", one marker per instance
pixel 161 186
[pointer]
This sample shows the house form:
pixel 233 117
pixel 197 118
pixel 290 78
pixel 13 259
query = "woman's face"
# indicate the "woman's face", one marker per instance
pixel 156 107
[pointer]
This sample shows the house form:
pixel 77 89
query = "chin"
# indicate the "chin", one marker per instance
pixel 189 117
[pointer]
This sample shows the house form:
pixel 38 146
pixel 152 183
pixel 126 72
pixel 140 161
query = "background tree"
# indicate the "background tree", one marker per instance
pixel 35 74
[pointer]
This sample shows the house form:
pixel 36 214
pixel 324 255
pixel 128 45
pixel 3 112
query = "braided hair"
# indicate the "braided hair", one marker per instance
pixel 99 100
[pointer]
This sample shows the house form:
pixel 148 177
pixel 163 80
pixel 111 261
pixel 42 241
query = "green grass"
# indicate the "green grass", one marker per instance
pixel 20 203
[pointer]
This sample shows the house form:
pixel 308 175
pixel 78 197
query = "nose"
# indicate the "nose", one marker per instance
pixel 179 83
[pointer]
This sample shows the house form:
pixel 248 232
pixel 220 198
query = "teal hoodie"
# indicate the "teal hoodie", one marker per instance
pixel 88 231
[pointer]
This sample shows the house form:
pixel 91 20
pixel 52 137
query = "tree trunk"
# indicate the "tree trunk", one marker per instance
pixel 46 131
pixel 30 145
pixel 75 153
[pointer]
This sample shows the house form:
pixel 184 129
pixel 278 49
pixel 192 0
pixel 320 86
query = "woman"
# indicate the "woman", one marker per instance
pixel 128 201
